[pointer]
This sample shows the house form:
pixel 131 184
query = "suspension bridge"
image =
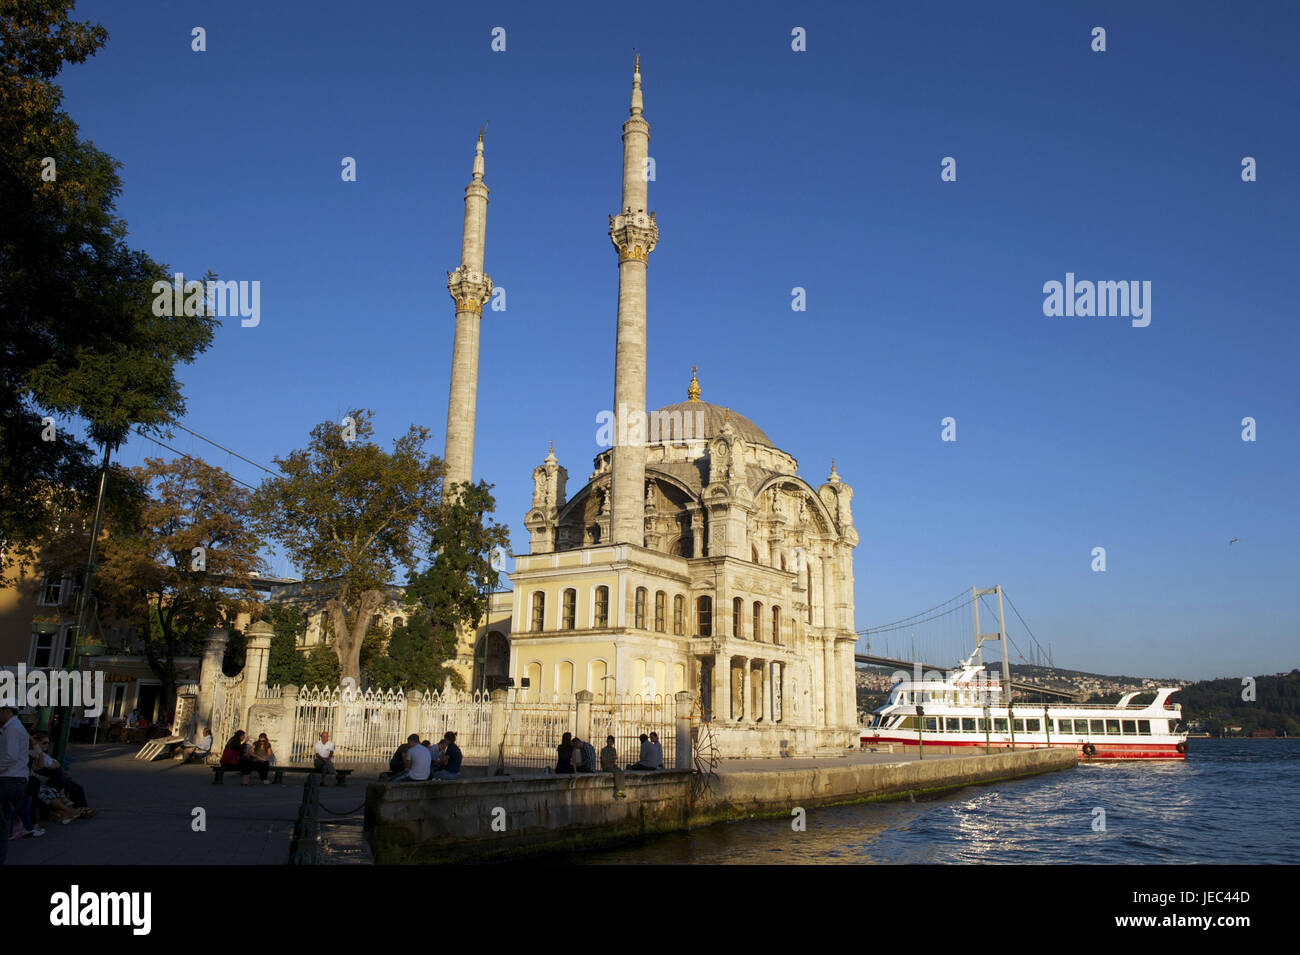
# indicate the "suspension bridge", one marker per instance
pixel 950 631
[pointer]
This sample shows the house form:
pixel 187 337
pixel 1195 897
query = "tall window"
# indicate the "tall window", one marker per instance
pixel 758 620
pixel 679 615
pixel 661 611
pixel 539 612
pixel 737 611
pixel 776 624
pixel 43 649
pixel 51 590
pixel 569 608
pixel 602 606
pixel 641 594
pixel 704 616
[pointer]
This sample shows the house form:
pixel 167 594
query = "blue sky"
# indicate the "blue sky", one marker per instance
pixel 776 169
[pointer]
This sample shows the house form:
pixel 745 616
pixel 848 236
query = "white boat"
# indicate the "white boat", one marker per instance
pixel 967 707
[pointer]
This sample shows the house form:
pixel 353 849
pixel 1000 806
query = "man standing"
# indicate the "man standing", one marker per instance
pixel 324 759
pixel 13 771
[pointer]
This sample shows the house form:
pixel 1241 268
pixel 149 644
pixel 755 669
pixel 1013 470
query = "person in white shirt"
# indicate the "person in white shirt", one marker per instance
pixel 657 751
pixel 417 760
pixel 201 749
pixel 14 747
pixel 324 759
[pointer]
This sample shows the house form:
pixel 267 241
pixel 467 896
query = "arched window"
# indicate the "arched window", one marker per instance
pixel 539 612
pixel 679 615
pixel 776 625
pixel 534 678
pixel 753 553
pixel 704 616
pixel 737 612
pixel 569 609
pixel 661 612
pixel 758 620
pixel 602 606
pixel 641 594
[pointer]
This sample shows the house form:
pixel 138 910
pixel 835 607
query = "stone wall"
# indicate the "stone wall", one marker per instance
pixel 504 817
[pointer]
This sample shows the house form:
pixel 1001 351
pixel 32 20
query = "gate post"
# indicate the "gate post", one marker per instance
pixel 496 760
pixel 214 648
pixel 582 726
pixel 685 700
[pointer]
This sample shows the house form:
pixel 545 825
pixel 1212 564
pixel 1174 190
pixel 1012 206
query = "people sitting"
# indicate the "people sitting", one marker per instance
pixel 47 768
pixel 648 758
pixel 262 758
pixel 584 756
pixel 235 756
pixel 564 754
pixel 415 761
pixel 200 750
pixel 451 758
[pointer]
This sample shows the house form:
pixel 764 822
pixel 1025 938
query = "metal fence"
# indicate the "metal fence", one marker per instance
pixel 628 717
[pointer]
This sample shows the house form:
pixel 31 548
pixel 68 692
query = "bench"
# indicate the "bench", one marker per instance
pixel 159 747
pixel 276 773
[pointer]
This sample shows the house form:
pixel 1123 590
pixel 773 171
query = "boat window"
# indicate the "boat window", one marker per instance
pixel 999 726
pixel 932 724
pixel 1032 726
pixel 1098 727
pixel 1065 726
pixel 983 726
pixel 1112 727
pixel 968 724
pixel 952 725
pixel 1144 727
pixel 1130 728
pixel 1020 726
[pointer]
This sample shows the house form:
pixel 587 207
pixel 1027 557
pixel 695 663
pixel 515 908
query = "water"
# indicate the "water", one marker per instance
pixel 1230 801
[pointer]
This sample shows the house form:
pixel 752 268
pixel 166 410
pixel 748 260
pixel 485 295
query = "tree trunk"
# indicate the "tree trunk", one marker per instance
pixel 347 640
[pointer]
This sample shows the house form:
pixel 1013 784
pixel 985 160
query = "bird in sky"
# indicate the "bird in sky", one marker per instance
pixel 1233 541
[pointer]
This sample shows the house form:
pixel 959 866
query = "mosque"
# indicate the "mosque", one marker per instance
pixel 693 558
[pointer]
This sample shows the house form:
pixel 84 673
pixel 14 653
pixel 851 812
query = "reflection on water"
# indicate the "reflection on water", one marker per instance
pixel 1228 802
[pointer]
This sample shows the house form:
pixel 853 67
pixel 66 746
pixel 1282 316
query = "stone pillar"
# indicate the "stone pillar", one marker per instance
pixel 847 672
pixel 828 591
pixel 746 704
pixel 634 234
pixel 582 725
pixel 469 288
pixel 765 709
pixel 288 723
pixel 256 660
pixel 214 648
pixel 830 685
pixel 497 732
pixel 722 686
pixel 411 718
pixel 685 702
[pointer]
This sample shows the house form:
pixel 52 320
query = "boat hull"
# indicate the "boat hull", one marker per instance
pixel 1107 750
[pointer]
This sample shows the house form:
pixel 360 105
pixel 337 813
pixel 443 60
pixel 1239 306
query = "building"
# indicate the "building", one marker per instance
pixel 695 557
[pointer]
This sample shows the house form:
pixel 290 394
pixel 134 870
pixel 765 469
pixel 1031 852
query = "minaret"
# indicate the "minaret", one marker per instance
pixel 470 289
pixel 634 234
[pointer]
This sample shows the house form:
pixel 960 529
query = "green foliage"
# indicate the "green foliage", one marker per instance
pixel 345 512
pixel 232 662
pixel 285 665
pixel 1219 702
pixel 321 668
pixel 78 337
pixel 455 588
pixel 416 657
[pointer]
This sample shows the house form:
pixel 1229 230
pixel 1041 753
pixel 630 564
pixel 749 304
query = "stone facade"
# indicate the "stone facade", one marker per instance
pixel 694 558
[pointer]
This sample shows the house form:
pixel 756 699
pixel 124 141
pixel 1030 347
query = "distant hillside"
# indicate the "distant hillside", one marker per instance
pixel 1218 703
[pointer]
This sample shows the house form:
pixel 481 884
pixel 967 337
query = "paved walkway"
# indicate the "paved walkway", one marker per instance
pixel 851 758
pixel 146 812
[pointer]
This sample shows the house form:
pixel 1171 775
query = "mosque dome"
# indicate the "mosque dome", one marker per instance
pixel 692 415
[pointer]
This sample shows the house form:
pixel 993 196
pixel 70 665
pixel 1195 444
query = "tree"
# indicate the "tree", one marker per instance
pixel 186 566
pixel 284 664
pixel 416 657
pixel 345 511
pixel 78 335
pixel 321 668
pixel 454 590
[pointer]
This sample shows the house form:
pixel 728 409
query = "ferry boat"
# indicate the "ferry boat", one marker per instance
pixel 967 707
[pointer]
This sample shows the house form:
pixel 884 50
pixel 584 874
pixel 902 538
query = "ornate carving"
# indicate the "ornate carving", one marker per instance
pixel 470 290
pixel 634 234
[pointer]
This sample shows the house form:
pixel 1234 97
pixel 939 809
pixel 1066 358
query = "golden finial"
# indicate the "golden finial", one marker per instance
pixel 550 449
pixel 726 416
pixel 480 132
pixel 637 68
pixel 693 390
